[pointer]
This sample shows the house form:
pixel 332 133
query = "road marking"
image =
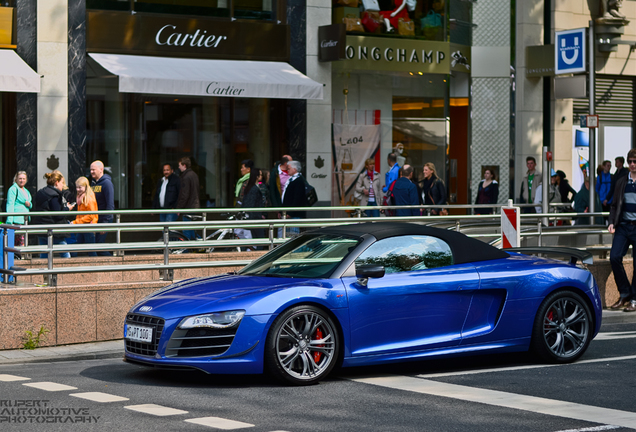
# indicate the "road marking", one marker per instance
pixel 10 378
pixel 615 335
pixel 219 423
pixel 516 368
pixel 507 400
pixel 99 397
pixel 156 410
pixel 592 429
pixel 50 386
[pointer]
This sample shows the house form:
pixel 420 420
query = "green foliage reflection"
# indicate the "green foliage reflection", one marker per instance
pixel 394 263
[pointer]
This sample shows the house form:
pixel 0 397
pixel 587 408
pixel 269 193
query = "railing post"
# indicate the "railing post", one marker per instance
pixel 5 254
pixel 167 274
pixel 118 221
pixel 205 228
pixel 26 238
pixel 49 242
pixel 285 225
pixel 540 229
pixel 271 236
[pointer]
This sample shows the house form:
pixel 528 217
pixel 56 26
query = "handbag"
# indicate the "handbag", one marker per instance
pixel 406 27
pixel 371 5
pixel 353 24
pixel 387 200
pixel 372 21
pixel 432 19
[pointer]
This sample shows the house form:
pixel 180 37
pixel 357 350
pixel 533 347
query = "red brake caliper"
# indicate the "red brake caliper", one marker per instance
pixel 318 335
pixel 550 316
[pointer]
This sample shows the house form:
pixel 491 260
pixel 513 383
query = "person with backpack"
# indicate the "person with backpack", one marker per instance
pixel 18 201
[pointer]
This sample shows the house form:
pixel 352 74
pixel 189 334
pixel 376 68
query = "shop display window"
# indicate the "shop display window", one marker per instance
pixel 135 134
pixel 242 9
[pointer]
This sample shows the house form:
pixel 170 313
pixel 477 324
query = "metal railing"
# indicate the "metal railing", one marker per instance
pixel 272 226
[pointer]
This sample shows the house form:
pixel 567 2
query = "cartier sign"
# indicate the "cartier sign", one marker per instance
pixel 331 42
pixel 123 33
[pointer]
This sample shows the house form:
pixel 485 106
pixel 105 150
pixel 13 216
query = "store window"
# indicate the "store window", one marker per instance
pixel 135 134
pixel 243 9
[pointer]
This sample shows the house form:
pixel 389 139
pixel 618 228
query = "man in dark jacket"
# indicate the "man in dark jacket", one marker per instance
pixel 620 172
pixel 294 194
pixel 278 178
pixel 167 193
pixel 189 192
pixel 102 186
pixel 622 223
pixel 405 193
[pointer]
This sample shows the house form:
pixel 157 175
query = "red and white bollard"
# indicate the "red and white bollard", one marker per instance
pixel 510 226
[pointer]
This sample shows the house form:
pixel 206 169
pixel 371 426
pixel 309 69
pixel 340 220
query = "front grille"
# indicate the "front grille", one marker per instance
pixel 142 348
pixel 200 342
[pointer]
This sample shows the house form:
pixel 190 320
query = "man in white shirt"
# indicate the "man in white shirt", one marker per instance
pixel 167 193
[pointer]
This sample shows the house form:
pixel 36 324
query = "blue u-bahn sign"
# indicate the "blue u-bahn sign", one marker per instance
pixel 569 51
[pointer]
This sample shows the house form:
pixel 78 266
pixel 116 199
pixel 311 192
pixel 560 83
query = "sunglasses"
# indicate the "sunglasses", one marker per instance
pixel 629 161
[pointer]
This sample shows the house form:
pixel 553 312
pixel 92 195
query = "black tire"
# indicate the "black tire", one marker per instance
pixel 303 346
pixel 562 329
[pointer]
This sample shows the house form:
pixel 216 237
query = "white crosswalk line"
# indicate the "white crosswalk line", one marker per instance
pixel 156 410
pixel 219 423
pixel 507 400
pixel 11 378
pixel 50 386
pixel 592 429
pixel 99 397
pixel 615 335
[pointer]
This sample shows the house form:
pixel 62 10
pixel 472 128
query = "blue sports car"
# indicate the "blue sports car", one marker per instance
pixel 367 294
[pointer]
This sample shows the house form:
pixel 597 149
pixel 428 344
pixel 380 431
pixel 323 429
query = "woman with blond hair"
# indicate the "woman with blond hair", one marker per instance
pixel 18 201
pixel 85 202
pixel 49 198
pixel 432 189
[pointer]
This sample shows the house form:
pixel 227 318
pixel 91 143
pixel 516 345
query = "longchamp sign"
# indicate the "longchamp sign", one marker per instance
pixel 123 33
pixel 406 55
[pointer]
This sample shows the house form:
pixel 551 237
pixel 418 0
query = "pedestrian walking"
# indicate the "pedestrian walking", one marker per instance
pixel 604 185
pixel 294 194
pixel 487 192
pixel 393 173
pixel 405 193
pixel 85 202
pixel 253 198
pixel 432 190
pixel 278 179
pixel 188 192
pixel 529 185
pixel 622 223
pixel 18 201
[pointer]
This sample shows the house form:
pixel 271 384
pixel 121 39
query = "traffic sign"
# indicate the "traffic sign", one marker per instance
pixel 569 51
pixel 589 121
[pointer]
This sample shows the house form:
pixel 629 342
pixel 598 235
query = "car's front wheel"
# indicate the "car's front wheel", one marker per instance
pixel 562 328
pixel 302 346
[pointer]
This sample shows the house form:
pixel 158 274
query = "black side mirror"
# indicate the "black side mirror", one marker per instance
pixel 366 271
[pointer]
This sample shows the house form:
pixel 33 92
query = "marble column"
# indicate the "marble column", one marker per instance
pixel 52 102
pixel 26 103
pixel 76 89
pixel 297 109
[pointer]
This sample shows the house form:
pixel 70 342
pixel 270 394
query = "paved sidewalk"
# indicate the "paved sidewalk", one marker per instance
pixel 115 348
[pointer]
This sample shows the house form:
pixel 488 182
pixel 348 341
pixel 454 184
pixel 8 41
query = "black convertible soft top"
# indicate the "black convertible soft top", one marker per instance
pixel 465 249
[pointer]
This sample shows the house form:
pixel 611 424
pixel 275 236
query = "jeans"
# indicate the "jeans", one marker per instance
pixel 101 238
pixel 624 236
pixel 168 217
pixel 86 238
pixel 372 213
pixel 43 241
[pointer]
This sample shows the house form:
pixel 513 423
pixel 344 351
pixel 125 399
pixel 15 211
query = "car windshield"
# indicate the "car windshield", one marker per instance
pixel 307 256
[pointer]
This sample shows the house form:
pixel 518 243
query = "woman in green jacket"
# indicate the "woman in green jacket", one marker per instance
pixel 18 201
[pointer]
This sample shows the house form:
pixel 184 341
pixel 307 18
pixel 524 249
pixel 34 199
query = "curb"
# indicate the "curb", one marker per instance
pixel 62 358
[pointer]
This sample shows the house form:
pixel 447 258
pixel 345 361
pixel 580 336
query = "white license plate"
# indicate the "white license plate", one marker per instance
pixel 138 333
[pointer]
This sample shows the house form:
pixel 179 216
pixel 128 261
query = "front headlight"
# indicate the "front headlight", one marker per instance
pixel 215 320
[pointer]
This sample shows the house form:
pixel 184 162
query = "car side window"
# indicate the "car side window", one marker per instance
pixel 407 253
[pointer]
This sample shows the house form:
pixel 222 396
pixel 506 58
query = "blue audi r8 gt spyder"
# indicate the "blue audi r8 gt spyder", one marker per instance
pixel 367 294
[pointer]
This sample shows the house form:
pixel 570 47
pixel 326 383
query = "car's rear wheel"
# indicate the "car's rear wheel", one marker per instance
pixel 562 328
pixel 302 346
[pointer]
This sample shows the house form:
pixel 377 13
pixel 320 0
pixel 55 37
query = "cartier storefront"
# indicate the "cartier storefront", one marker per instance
pixel 160 87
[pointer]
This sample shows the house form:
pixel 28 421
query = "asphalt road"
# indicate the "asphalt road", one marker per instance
pixel 485 393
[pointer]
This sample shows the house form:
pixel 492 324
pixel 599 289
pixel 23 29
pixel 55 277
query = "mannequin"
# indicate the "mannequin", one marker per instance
pixel 391 18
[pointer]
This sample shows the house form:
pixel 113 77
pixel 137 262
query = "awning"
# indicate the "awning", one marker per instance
pixel 200 77
pixel 16 75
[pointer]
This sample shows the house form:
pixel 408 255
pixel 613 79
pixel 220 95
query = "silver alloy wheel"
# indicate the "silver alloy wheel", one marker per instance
pixel 566 327
pixel 305 345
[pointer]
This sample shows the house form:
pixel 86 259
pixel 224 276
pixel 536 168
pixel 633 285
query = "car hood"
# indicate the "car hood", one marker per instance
pixel 217 293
